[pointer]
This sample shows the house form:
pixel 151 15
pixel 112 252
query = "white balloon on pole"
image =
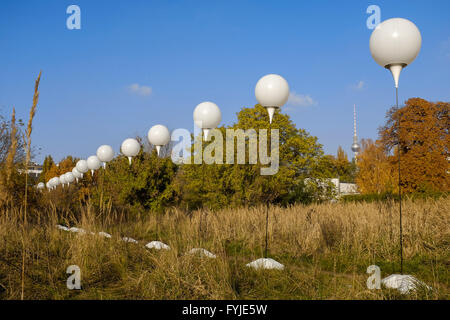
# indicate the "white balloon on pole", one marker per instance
pixel 159 136
pixel 40 186
pixel 54 182
pixel 105 154
pixel 207 116
pixel 57 181
pixel 82 167
pixel 130 148
pixel 272 92
pixel 62 180
pixel 70 177
pixel 77 174
pixel 394 44
pixel 93 163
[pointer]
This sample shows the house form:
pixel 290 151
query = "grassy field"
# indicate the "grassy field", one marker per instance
pixel 325 248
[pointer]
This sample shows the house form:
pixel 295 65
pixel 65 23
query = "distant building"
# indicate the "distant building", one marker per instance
pixel 344 189
pixel 339 188
pixel 34 170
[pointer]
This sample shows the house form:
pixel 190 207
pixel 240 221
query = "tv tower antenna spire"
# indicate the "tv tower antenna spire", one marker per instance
pixel 355 146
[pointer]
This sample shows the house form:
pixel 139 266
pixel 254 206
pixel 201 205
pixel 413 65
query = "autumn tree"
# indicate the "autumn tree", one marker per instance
pixel 424 144
pixel 52 169
pixel 46 167
pixel 376 173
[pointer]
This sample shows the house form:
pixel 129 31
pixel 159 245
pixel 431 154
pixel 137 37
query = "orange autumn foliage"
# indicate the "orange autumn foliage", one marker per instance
pixel 424 147
pixel 375 172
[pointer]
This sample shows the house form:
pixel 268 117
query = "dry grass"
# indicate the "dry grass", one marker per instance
pixel 326 250
pixel 27 161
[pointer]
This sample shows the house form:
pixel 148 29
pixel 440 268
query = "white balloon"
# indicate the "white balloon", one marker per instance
pixel 158 135
pixel 272 90
pixel 105 153
pixel 395 41
pixel 62 179
pixel 130 148
pixel 69 177
pixel 48 185
pixel 93 163
pixel 40 185
pixel 82 166
pixel 394 44
pixel 76 173
pixel 54 182
pixel 207 115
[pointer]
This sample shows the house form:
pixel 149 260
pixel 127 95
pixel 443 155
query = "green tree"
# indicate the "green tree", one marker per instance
pixel 344 169
pixel 215 186
pixel 145 184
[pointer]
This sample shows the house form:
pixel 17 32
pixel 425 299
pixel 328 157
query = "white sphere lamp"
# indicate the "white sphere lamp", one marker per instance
pixel 70 177
pixel 62 180
pixel 394 44
pixel 159 136
pixel 105 154
pixel 272 92
pixel 207 116
pixel 130 148
pixel 93 164
pixel 82 167
pixel 77 174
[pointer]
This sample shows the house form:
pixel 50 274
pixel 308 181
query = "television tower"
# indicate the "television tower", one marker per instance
pixel 355 146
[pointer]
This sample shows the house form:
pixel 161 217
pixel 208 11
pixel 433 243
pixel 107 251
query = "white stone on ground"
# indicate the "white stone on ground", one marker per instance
pixel 202 252
pixel 403 283
pixel 104 234
pixel 126 239
pixel 265 263
pixel 60 227
pixel 77 230
pixel 158 245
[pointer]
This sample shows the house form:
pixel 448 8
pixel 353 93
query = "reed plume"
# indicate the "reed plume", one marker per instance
pixel 28 139
pixel 27 161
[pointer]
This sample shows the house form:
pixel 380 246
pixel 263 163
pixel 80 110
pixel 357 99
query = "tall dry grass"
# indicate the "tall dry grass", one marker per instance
pixel 28 138
pixel 326 249
pixel 27 162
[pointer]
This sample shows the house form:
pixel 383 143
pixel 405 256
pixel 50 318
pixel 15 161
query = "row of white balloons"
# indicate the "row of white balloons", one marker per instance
pixel 394 44
pixel 271 91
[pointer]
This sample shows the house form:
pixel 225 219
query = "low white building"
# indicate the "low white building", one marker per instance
pixel 343 188
pixel 34 170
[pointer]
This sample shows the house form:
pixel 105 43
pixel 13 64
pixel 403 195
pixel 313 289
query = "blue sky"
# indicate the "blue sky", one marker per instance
pixel 135 63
